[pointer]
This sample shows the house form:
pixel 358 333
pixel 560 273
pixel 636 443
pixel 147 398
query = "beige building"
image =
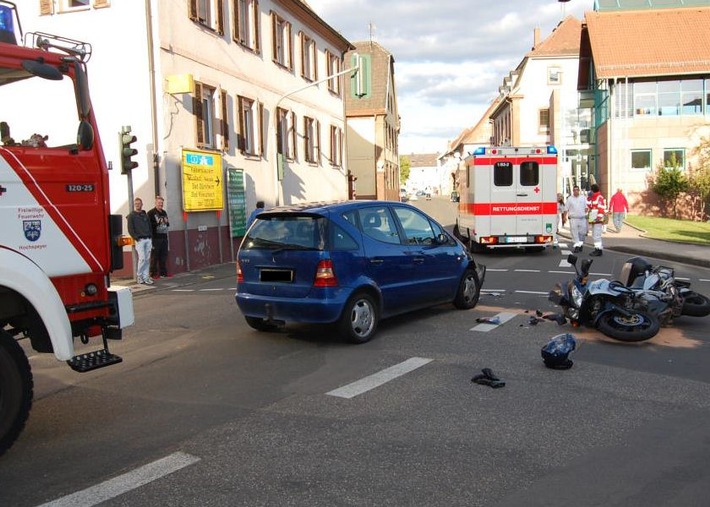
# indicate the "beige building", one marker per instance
pixel 231 101
pixel 372 123
pixel 646 73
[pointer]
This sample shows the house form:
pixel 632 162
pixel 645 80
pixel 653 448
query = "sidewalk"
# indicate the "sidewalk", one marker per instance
pixel 632 241
pixel 216 272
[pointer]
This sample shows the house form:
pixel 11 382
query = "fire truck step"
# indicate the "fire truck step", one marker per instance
pixel 93 360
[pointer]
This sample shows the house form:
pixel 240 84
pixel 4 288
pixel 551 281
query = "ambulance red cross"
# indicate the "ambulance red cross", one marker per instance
pixel 508 198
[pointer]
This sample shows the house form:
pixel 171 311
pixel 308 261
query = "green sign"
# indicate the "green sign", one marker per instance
pixel 236 200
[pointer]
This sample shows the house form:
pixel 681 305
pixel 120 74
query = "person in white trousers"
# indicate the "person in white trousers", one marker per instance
pixel 576 208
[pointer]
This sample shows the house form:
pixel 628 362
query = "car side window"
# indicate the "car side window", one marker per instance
pixel 341 240
pixel 417 228
pixel 377 223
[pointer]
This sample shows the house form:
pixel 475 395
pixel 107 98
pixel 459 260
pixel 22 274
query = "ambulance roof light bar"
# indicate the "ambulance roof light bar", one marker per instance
pixel 506 150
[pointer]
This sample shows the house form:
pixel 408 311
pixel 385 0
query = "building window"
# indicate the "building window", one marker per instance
pixel 691 96
pixel 281 35
pixel 641 160
pixel 544 121
pixel 208 13
pixel 203 107
pixel 645 98
pixel 336 146
pixel 311 138
pixel 554 75
pixel 73 5
pixel 333 67
pixel 286 133
pixel 309 61
pixel 673 158
pixel 250 115
pixel 246 24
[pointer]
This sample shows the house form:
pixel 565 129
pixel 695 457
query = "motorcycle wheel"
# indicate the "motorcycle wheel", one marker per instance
pixel 695 305
pixel 637 327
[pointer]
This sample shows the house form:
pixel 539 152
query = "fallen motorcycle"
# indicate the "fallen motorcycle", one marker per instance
pixel 608 306
pixel 661 293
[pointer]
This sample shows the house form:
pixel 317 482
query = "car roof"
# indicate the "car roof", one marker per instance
pixel 324 207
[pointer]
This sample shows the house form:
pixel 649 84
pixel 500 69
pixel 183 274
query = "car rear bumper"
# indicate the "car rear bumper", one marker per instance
pixel 310 310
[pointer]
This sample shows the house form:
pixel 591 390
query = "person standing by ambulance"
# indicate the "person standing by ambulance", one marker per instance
pixel 159 255
pixel 576 208
pixel 597 212
pixel 140 230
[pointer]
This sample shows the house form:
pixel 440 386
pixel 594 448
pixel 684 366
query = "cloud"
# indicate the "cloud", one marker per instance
pixel 450 55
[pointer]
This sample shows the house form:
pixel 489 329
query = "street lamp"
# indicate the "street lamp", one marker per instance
pixel 278 188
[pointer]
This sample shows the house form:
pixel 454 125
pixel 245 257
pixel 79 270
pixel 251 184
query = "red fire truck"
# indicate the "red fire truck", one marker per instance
pixel 508 198
pixel 59 242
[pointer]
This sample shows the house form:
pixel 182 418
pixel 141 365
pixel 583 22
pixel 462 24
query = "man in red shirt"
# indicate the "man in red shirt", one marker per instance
pixel 618 206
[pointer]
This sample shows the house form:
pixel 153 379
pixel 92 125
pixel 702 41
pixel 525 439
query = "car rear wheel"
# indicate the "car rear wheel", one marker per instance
pixel 469 290
pixel 359 320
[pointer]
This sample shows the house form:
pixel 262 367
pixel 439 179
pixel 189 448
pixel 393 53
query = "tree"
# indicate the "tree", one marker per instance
pixel 404 165
pixel 669 182
pixel 700 175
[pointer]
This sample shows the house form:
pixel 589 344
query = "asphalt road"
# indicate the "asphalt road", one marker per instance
pixel 206 411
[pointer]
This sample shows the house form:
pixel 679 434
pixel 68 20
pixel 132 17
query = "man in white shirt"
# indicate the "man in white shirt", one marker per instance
pixel 576 207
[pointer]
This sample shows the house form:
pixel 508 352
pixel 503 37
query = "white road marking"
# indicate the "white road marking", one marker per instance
pixel 497 269
pixel 492 290
pixel 379 378
pixel 502 317
pixel 183 290
pixel 126 482
pixel 704 279
pixel 527 271
pixel 563 264
pixel 562 272
pixel 210 290
pixel 532 292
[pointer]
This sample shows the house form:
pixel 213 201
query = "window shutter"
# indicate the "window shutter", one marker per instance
pixel 274 38
pixel 294 137
pixel 46 7
pixel 242 127
pixel 220 17
pixel 225 122
pixel 290 46
pixel 99 4
pixel 261 129
pixel 317 143
pixel 192 10
pixel 257 27
pixel 197 111
pixel 302 38
pixel 235 21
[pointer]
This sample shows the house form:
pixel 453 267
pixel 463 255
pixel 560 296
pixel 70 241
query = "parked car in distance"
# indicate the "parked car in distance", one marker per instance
pixel 403 195
pixel 350 264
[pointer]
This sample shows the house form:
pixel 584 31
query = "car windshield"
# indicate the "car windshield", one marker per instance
pixel 286 232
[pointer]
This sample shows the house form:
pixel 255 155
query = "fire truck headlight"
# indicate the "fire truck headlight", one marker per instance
pixel 91 289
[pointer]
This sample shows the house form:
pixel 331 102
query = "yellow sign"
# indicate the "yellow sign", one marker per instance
pixel 202 183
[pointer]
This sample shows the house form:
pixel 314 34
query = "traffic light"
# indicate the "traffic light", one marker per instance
pixel 126 139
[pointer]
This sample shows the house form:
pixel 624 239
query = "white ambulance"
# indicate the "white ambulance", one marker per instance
pixel 508 198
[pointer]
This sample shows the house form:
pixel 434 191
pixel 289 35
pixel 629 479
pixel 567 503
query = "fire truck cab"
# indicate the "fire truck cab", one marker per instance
pixel 508 198
pixel 59 242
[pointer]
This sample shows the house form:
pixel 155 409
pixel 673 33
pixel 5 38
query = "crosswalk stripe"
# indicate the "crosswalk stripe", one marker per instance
pixel 379 378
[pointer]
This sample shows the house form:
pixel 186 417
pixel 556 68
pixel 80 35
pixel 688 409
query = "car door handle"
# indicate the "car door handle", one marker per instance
pixel 376 260
pixel 522 195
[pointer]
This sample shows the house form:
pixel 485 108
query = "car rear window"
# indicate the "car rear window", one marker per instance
pixel 297 232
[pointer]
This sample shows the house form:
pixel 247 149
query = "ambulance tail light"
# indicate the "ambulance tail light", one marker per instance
pixel 488 240
pixel 543 239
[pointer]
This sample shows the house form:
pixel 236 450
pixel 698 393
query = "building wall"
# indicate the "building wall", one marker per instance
pixel 121 81
pixel 361 155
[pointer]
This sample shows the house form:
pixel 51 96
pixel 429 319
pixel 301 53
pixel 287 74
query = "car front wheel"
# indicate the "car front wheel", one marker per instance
pixel 469 290
pixel 358 322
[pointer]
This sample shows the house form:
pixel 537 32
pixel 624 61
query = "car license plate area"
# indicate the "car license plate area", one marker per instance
pixel 276 275
pixel 515 239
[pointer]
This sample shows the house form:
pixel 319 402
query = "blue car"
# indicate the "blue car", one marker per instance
pixel 350 263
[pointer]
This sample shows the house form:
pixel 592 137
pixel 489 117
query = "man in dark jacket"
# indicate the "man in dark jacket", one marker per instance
pixel 160 224
pixel 140 231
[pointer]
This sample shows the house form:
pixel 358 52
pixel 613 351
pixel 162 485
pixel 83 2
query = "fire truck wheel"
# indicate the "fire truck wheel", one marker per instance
pixel 15 390
pixel 469 290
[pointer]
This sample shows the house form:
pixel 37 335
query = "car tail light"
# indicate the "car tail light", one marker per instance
pixel 325 276
pixel 240 275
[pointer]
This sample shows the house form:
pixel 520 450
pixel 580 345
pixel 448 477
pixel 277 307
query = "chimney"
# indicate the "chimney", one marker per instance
pixel 536 37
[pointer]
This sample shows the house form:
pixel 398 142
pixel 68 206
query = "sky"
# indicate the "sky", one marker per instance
pixel 450 55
